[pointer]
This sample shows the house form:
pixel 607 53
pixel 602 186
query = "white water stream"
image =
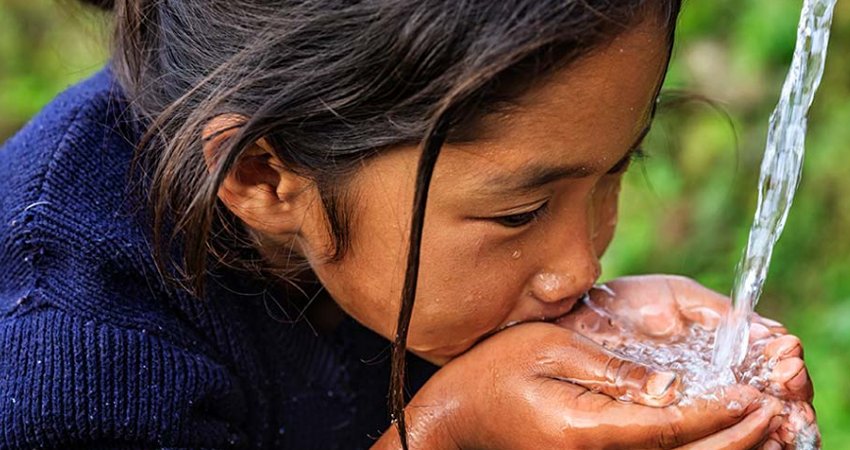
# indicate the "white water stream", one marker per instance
pixel 780 175
pixel 708 361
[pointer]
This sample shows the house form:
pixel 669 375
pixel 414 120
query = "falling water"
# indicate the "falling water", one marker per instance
pixel 780 175
pixel 733 358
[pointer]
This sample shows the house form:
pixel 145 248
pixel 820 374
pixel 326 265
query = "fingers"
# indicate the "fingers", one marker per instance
pixel 659 305
pixel 675 426
pixel 773 442
pixel 598 328
pixel 753 430
pixel 568 356
pixel 789 378
pixel 697 303
pixel 641 303
pixel 772 325
pixel 784 347
pixel 800 423
pixel 758 332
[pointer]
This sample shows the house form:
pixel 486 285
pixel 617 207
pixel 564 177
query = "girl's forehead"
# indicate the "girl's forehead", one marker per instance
pixel 610 88
pixel 588 114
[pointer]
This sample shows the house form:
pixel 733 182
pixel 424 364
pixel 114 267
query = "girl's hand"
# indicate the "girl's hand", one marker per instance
pixel 660 307
pixel 537 385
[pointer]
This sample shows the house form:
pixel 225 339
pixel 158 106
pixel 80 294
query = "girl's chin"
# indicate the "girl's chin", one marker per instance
pixel 442 354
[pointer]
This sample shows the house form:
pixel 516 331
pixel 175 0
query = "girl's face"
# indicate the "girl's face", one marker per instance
pixel 516 221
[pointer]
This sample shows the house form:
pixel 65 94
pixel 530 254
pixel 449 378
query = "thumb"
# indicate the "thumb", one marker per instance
pixel 569 356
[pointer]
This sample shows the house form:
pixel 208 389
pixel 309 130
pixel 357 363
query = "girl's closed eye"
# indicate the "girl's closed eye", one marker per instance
pixel 520 219
pixel 517 220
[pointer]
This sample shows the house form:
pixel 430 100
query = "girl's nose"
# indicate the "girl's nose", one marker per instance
pixel 552 286
pixel 571 269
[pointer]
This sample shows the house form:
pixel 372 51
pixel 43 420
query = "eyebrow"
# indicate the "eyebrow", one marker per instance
pixel 533 177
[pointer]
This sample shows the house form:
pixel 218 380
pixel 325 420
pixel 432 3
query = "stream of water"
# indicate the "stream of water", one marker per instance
pixel 705 360
pixel 780 175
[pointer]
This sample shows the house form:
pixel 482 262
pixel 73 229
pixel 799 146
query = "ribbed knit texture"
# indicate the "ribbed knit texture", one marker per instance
pixel 96 352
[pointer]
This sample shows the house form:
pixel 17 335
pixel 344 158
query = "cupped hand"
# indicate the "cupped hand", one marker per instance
pixel 538 385
pixel 663 307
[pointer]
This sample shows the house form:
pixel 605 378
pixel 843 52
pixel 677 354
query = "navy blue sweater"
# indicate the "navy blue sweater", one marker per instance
pixel 96 352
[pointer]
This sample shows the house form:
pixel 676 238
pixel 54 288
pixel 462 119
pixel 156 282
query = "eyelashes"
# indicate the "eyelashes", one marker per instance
pixel 518 220
pixel 525 218
pixel 623 164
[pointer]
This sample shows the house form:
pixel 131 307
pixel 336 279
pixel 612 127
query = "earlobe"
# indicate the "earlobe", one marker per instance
pixel 259 188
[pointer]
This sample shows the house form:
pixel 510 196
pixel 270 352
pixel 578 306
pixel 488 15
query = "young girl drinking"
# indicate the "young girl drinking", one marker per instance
pixel 214 242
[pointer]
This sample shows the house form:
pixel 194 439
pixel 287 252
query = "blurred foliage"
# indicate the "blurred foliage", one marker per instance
pixel 44 46
pixel 687 209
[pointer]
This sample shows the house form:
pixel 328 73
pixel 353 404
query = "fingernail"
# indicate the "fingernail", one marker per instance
pixel 772 445
pixel 659 383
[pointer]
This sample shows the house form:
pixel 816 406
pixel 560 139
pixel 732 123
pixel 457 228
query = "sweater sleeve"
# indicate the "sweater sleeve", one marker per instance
pixel 69 382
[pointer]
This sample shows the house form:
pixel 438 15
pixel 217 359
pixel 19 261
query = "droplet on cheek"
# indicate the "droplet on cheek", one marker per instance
pixel 516 254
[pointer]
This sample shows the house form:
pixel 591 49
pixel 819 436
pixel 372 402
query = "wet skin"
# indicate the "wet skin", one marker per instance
pixel 515 226
pixel 659 308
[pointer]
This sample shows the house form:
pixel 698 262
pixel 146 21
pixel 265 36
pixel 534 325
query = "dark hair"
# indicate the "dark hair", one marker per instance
pixel 329 84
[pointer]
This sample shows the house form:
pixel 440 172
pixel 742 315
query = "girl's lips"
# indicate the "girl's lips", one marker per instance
pixel 574 305
pixel 570 305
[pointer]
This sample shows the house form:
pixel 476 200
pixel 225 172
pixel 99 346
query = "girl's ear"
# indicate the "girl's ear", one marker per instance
pixel 259 188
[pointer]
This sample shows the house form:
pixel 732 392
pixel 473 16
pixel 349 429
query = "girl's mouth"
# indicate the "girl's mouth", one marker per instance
pixel 574 305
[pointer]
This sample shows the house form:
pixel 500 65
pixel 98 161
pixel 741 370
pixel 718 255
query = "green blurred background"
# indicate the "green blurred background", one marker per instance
pixel 686 209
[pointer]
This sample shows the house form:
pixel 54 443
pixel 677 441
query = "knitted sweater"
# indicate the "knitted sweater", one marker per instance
pixel 96 352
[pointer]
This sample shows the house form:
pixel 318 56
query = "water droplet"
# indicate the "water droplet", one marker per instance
pixel 281 430
pixel 734 406
pixel 516 254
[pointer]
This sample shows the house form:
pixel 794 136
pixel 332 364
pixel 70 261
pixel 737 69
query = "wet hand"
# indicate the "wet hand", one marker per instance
pixel 661 307
pixel 789 379
pixel 537 385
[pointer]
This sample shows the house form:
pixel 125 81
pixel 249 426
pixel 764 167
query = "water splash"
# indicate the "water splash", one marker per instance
pixel 709 361
pixel 778 181
pixel 780 175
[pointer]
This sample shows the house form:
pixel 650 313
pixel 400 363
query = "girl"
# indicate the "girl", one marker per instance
pixel 209 243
